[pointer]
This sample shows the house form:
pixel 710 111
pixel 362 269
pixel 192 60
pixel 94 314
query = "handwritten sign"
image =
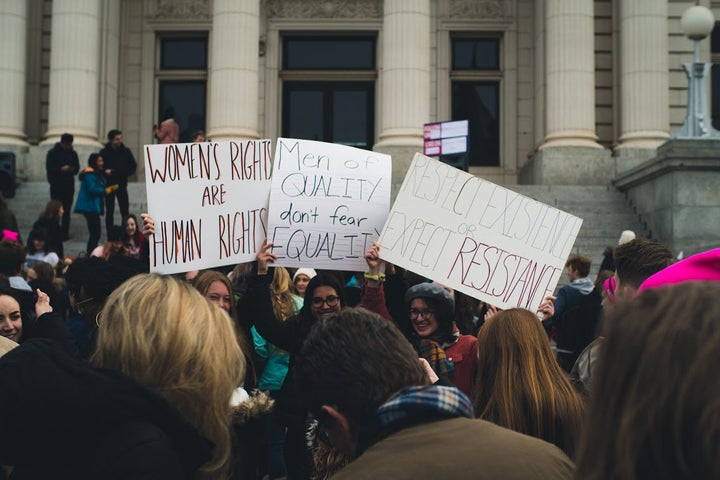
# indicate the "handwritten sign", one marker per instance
pixel 477 237
pixel 209 202
pixel 327 205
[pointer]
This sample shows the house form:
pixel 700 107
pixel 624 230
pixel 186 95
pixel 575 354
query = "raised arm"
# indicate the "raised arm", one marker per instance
pixel 257 305
pixel 373 294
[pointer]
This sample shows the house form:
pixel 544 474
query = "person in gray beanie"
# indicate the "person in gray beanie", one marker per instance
pixel 431 309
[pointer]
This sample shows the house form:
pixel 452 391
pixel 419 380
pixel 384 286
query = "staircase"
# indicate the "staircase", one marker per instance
pixel 31 198
pixel 604 210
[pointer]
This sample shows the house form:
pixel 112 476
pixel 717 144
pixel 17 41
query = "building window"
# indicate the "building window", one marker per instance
pixel 182 81
pixel 476 77
pixel 329 88
pixel 715 76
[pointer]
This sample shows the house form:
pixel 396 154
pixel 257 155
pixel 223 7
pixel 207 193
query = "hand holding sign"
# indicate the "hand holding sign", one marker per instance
pixel 148 226
pixel 264 257
pixel 328 203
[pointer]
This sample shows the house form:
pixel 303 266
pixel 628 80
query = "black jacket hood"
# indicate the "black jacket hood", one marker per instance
pixel 54 406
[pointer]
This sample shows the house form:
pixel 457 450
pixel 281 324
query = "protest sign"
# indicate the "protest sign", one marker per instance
pixel 209 203
pixel 327 205
pixel 477 237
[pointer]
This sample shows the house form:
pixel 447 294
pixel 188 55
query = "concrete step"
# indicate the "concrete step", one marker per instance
pixel 604 210
pixel 30 200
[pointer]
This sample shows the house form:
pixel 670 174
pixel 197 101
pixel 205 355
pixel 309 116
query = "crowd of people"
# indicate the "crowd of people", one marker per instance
pixel 260 371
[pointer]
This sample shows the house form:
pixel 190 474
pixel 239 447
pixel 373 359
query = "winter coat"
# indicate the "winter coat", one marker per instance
pixel 121 161
pixel 248 420
pixel 73 421
pixel 288 336
pixel 464 355
pixel 459 448
pixel 168 132
pixel 278 361
pixel 91 197
pixel 8 221
pixel 577 312
pixel 57 157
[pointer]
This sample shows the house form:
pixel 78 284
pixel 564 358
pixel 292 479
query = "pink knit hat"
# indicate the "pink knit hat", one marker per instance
pixel 703 267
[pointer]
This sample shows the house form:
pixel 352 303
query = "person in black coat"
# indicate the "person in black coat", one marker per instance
pixel 61 165
pixel 119 165
pixel 49 222
pixel 323 296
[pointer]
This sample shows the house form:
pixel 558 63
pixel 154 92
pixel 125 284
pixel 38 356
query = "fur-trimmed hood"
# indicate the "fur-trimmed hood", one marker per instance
pixel 258 405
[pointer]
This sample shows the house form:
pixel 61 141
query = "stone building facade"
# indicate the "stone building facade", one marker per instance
pixel 557 91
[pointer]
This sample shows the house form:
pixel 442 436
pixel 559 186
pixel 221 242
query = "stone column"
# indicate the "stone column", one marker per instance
pixel 233 109
pixel 644 80
pixel 74 71
pixel 404 81
pixel 13 31
pixel 570 74
pixel 570 153
pixel 110 67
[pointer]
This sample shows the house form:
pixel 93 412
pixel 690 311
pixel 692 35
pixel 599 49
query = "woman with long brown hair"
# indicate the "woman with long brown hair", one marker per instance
pixel 520 385
pixel 49 221
pixel 654 411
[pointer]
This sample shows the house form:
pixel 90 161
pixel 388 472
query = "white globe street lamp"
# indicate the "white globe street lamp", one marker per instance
pixel 697 23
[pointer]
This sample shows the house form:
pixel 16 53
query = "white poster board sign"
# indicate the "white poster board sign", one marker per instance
pixel 209 202
pixel 477 237
pixel 327 205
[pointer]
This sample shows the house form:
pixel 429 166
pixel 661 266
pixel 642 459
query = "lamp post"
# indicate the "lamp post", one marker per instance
pixel 697 22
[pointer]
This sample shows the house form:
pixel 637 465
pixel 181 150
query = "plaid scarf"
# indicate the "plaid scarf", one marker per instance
pixel 414 405
pixel 431 351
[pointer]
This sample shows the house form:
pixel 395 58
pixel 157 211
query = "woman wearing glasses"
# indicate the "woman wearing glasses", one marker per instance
pixel 323 297
pixel 433 333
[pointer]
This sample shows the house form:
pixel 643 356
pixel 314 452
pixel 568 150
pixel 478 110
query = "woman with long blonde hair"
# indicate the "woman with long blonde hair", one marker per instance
pixel 154 401
pixel 285 303
pixel 216 287
pixel 520 385
pixel 158 331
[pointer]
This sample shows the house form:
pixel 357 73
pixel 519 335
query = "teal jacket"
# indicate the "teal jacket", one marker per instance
pixel 276 368
pixel 92 193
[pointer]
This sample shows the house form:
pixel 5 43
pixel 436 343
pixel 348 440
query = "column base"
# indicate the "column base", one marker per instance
pixel 402 156
pixel 571 138
pixel 30 164
pixel 569 166
pixel 627 158
pixel 649 139
pixel 12 136
pixel 81 137
pixel 676 193
pixel 223 134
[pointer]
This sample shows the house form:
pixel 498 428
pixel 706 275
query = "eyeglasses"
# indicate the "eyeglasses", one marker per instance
pixel 81 304
pixel 414 313
pixel 331 301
